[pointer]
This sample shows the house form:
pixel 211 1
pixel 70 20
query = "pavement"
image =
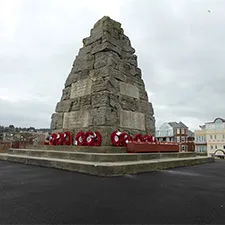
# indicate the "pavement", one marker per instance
pixel 187 195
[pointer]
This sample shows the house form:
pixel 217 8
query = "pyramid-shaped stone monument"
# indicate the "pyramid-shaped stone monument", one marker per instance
pixel 104 90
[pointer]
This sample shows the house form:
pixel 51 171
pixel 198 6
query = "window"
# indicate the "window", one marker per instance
pixel 211 147
pixel 183 139
pixel 178 139
pixel 183 148
pixel 223 136
pixel 201 149
pixel 216 147
pixel 210 136
pixel 183 131
pixel 215 136
pixel 224 147
pixel 178 131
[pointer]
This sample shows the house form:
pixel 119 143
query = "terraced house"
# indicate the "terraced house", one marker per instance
pixel 210 137
pixel 176 132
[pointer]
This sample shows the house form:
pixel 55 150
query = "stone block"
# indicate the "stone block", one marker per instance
pixel 132 120
pixel 84 51
pixel 114 100
pixel 114 29
pixel 99 86
pixel 81 65
pixel 131 59
pixel 107 58
pixel 135 81
pixel 106 71
pixel 150 124
pixel 85 102
pixel 96 35
pixel 66 93
pixel 99 117
pixel 113 62
pixel 151 110
pixel 75 106
pixel 57 121
pixel 127 48
pixel 71 79
pixel 75 76
pixel 100 63
pixel 124 67
pixel 76 119
pixel 129 69
pixel 83 62
pixel 138 73
pixel 104 47
pixel 112 117
pixel 129 103
pixel 81 88
pixel 129 90
pixel 106 22
pixel 107 37
pixel 64 106
pixel 100 99
pixel 146 107
pixel 109 84
pixel 105 116
pixel 143 95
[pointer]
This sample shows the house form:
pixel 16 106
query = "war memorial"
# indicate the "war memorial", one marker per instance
pixel 104 123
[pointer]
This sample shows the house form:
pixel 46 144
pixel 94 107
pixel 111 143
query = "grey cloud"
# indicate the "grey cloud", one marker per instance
pixel 181 52
pixel 25 113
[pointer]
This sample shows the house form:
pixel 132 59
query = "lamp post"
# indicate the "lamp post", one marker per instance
pixel 11 140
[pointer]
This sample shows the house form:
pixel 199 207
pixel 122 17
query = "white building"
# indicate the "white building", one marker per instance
pixel 211 137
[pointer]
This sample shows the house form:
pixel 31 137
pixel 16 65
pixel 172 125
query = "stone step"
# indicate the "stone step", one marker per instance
pixel 106 168
pixel 97 149
pixel 97 157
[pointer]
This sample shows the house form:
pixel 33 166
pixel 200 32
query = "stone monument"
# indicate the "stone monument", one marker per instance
pixel 104 90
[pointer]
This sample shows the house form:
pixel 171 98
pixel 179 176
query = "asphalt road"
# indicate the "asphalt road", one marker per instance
pixel 190 195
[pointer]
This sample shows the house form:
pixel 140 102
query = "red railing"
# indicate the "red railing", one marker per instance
pixel 141 147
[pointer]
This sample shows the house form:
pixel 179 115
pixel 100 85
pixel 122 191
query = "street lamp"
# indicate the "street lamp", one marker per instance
pixel 11 140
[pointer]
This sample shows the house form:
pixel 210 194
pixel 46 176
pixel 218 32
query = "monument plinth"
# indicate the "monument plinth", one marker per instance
pixel 104 90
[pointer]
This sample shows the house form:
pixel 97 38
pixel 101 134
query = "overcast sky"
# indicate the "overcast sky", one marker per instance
pixel 179 44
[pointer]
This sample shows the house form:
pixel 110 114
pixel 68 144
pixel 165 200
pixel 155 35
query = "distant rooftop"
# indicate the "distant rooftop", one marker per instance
pixel 223 120
pixel 177 125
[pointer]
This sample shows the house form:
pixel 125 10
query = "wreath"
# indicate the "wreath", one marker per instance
pixel 115 138
pixel 67 138
pixel 138 138
pixel 125 138
pixel 60 139
pixel 53 139
pixel 154 140
pixel 98 138
pixel 147 138
pixel 80 138
pixel 89 138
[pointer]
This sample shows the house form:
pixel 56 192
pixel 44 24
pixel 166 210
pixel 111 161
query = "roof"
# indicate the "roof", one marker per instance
pixel 177 125
pixel 190 133
pixel 223 120
pixel 182 125
pixel 173 124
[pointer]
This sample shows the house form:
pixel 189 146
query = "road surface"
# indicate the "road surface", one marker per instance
pixel 36 195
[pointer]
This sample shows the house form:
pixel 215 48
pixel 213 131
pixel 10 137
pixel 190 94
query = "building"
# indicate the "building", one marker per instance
pixel 176 132
pixel 210 137
pixel 200 141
